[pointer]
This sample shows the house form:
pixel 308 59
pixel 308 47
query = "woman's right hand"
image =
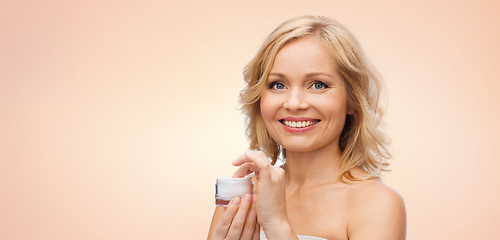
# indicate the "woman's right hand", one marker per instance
pixel 269 191
pixel 239 220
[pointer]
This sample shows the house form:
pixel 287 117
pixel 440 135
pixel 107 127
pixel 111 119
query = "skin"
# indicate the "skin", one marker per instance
pixel 307 197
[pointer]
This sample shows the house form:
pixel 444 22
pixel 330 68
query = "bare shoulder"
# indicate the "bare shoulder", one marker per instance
pixel 377 212
pixel 375 192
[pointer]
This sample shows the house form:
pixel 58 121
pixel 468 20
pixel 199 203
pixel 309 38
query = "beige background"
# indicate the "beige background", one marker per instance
pixel 116 117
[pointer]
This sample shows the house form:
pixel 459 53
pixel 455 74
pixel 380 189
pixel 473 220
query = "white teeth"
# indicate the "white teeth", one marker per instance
pixel 299 124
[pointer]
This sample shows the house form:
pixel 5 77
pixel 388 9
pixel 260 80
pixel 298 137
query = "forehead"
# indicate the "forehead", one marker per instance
pixel 304 54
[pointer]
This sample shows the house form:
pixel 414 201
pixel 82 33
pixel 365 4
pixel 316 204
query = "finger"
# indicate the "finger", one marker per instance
pixel 256 233
pixel 250 222
pixel 261 161
pixel 257 157
pixel 239 219
pixel 240 160
pixel 244 170
pixel 227 217
pixel 257 162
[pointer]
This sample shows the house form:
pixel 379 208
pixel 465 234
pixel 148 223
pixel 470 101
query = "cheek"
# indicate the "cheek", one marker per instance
pixel 267 107
pixel 332 106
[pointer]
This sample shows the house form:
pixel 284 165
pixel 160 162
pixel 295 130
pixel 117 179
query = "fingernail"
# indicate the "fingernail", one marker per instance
pixel 235 201
pixel 247 198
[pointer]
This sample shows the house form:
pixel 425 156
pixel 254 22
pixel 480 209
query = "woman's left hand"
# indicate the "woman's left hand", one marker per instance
pixel 269 189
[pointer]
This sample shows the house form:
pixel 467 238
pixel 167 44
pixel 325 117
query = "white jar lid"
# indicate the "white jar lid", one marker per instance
pixel 228 188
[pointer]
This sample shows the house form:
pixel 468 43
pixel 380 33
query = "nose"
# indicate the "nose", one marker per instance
pixel 296 100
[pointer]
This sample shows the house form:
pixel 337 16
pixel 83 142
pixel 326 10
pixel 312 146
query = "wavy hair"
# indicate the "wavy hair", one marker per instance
pixel 362 143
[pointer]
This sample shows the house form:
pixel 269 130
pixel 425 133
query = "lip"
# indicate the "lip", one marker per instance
pixel 298 130
pixel 299 119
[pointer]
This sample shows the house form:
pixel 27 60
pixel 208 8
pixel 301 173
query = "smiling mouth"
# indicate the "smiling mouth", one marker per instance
pixel 299 124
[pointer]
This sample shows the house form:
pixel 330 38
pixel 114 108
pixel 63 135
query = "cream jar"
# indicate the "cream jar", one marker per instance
pixel 228 188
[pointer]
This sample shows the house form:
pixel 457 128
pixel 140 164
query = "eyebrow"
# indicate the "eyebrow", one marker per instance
pixel 313 74
pixel 277 75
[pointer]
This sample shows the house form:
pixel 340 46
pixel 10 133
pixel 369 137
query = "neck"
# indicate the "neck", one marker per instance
pixel 313 167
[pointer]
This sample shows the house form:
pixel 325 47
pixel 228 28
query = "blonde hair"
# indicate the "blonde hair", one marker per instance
pixel 362 143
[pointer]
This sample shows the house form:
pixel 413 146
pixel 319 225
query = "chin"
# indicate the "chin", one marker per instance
pixel 299 148
pixel 308 146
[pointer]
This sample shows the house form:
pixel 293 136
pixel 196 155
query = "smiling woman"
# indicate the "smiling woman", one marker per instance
pixel 312 98
pixel 311 91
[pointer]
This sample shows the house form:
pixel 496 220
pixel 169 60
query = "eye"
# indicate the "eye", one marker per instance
pixel 277 85
pixel 319 85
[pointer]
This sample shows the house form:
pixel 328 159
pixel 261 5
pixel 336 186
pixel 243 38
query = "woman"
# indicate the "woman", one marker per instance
pixel 312 100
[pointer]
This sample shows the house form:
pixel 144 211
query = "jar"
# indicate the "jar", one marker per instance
pixel 227 188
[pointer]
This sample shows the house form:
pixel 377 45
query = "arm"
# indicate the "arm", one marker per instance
pixel 378 214
pixel 215 220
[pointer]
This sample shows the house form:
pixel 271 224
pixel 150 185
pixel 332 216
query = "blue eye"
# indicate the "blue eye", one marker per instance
pixel 277 85
pixel 319 85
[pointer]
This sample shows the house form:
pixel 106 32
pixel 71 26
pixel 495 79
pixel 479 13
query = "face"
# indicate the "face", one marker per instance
pixel 304 102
